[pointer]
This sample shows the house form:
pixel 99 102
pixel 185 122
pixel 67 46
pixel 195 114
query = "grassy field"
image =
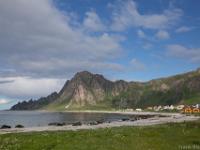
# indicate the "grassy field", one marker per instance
pixel 160 137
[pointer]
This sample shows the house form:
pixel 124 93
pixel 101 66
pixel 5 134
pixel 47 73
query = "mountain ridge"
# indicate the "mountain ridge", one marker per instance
pixel 87 90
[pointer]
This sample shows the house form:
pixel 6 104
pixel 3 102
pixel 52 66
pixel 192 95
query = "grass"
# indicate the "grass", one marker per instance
pixel 103 105
pixel 195 99
pixel 165 137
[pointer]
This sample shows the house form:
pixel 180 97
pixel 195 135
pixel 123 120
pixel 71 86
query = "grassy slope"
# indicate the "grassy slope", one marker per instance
pixel 104 105
pixel 182 93
pixel 165 137
pixel 193 99
pixel 154 99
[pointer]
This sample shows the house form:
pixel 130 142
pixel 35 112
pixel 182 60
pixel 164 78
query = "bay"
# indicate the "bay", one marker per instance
pixel 37 118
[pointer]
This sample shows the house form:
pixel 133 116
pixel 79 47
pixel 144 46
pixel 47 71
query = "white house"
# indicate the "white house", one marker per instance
pixel 171 107
pixel 166 107
pixel 149 108
pixel 180 107
pixel 138 109
pixel 197 105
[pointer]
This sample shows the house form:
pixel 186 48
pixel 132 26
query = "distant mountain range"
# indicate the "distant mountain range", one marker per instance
pixel 92 91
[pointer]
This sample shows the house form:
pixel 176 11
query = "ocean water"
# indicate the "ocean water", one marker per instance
pixel 36 118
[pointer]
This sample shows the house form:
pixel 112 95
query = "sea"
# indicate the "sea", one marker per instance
pixel 40 118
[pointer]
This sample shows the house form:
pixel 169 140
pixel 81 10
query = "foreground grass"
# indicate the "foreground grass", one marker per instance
pixel 165 137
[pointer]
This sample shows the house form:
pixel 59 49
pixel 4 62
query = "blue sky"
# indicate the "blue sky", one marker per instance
pixel 45 42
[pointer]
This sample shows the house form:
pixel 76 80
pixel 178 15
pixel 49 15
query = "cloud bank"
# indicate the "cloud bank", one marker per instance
pixel 127 15
pixel 180 51
pixel 43 43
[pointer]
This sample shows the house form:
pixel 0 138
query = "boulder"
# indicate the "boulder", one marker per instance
pixel 125 119
pixel 5 127
pixel 56 124
pixel 100 121
pixel 19 126
pixel 77 123
pixel 93 123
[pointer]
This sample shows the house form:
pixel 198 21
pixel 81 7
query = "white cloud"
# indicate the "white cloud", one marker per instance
pixel 183 29
pixel 25 87
pixel 162 35
pixel 127 15
pixel 93 22
pixel 36 39
pixel 141 34
pixel 137 65
pixel 70 65
pixel 3 101
pixel 179 51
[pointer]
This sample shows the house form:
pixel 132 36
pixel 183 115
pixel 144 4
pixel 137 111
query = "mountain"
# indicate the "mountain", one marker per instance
pixel 92 91
pixel 37 104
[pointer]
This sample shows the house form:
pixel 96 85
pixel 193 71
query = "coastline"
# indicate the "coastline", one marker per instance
pixel 112 112
pixel 169 118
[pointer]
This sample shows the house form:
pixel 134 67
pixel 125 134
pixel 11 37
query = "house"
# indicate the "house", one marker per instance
pixel 190 109
pixel 166 107
pixel 187 110
pixel 180 107
pixel 197 106
pixel 171 107
pixel 129 110
pixel 159 108
pixel 155 108
pixel 138 109
pixel 149 108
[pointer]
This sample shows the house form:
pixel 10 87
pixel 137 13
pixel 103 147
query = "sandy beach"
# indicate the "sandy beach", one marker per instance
pixel 169 117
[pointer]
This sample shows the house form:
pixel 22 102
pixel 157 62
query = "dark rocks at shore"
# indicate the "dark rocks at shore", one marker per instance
pixel 133 119
pixel 97 122
pixel 19 126
pixel 93 123
pixel 56 124
pixel 144 117
pixel 100 121
pixel 77 124
pixel 139 117
pixel 5 127
pixel 125 119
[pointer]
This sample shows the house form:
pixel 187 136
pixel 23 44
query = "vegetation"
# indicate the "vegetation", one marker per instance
pixel 193 99
pixel 171 136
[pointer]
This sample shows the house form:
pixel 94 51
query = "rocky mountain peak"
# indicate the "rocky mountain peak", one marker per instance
pixel 83 74
pixel 89 79
pixel 85 88
pixel 86 75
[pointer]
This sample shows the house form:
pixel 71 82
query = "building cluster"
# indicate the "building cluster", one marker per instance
pixel 166 107
pixel 180 108
pixel 172 107
pixel 191 109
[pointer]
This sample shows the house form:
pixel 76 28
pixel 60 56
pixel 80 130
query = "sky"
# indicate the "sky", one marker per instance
pixel 45 42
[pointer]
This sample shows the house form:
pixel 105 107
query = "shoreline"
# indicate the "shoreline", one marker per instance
pixel 169 118
pixel 103 111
